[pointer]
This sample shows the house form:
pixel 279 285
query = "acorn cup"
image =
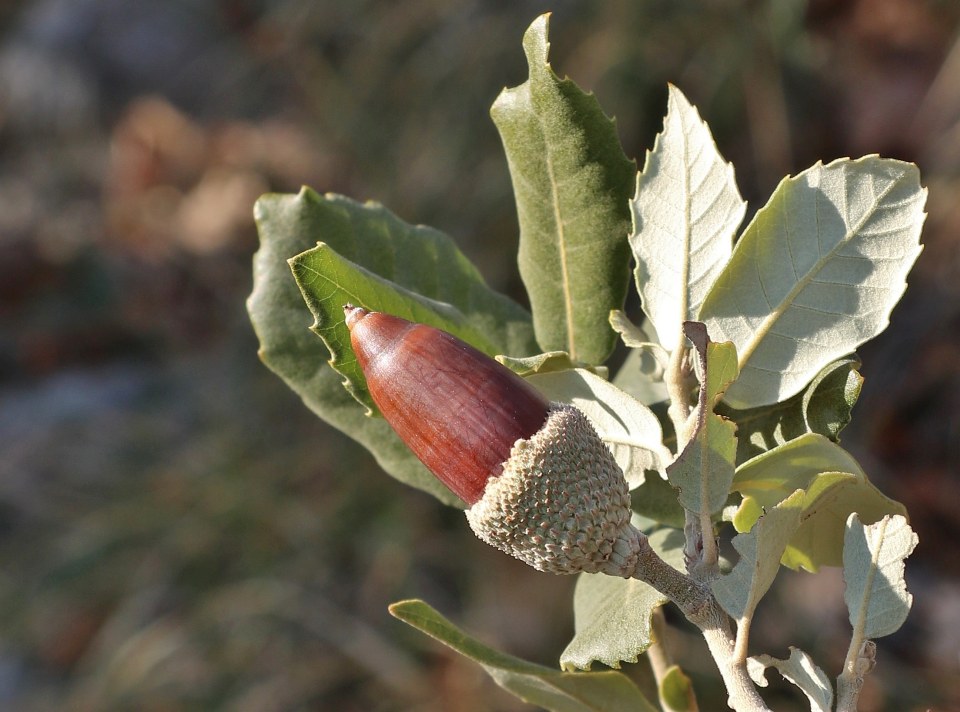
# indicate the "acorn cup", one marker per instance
pixel 539 482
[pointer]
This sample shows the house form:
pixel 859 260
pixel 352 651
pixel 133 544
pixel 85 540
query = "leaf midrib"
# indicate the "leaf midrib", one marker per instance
pixel 860 624
pixel 686 256
pixel 561 244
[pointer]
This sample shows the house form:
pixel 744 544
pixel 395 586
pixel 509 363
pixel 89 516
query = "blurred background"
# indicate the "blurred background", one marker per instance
pixel 177 532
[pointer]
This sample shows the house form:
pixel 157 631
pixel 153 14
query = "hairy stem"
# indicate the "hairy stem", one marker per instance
pixel 692 594
pixel 696 601
pixel 741 693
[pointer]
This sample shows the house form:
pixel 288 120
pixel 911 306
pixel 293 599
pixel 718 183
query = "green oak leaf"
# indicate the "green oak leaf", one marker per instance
pixel 657 499
pixel 375 242
pixel 545 687
pixel 834 486
pixel 612 615
pixel 676 691
pixel 760 549
pixel 572 182
pixel 816 273
pixel 328 281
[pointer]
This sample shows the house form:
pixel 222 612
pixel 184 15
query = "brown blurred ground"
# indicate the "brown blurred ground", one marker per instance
pixel 177 532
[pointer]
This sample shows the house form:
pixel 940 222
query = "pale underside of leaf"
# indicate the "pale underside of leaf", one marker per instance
pixel 802 672
pixel 873 566
pixel 760 550
pixel 816 273
pixel 686 211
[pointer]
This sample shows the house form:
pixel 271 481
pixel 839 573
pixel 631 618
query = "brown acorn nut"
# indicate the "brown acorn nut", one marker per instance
pixel 541 484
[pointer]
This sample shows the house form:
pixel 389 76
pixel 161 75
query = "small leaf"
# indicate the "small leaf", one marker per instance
pixel 629 428
pixel 676 691
pixel 739 591
pixel 805 674
pixel 823 407
pixel 704 470
pixel 834 486
pixel 816 273
pixel 876 593
pixel 415 258
pixel 612 615
pixel 685 214
pixel 549 362
pixel 572 182
pixel 538 685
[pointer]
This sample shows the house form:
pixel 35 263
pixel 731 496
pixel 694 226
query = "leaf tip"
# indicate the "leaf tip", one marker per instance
pixel 399 609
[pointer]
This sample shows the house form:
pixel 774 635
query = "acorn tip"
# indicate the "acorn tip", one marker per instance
pixel 353 314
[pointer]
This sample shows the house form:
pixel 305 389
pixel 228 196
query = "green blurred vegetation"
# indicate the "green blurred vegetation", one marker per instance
pixel 178 533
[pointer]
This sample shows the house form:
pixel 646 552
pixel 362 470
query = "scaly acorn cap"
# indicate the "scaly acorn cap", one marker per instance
pixel 562 504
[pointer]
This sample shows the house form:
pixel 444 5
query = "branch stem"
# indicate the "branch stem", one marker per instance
pixel 696 601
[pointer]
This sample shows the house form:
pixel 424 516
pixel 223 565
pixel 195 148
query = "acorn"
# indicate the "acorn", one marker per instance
pixel 539 482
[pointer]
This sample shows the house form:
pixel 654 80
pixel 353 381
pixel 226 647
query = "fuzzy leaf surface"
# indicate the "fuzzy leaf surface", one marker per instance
pixel 571 181
pixel 704 469
pixel 545 687
pixel 629 428
pixel 686 211
pixel 760 551
pixel 816 273
pixel 823 407
pixel 834 485
pixel 802 672
pixel 612 615
pixel 876 593
pixel 375 242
